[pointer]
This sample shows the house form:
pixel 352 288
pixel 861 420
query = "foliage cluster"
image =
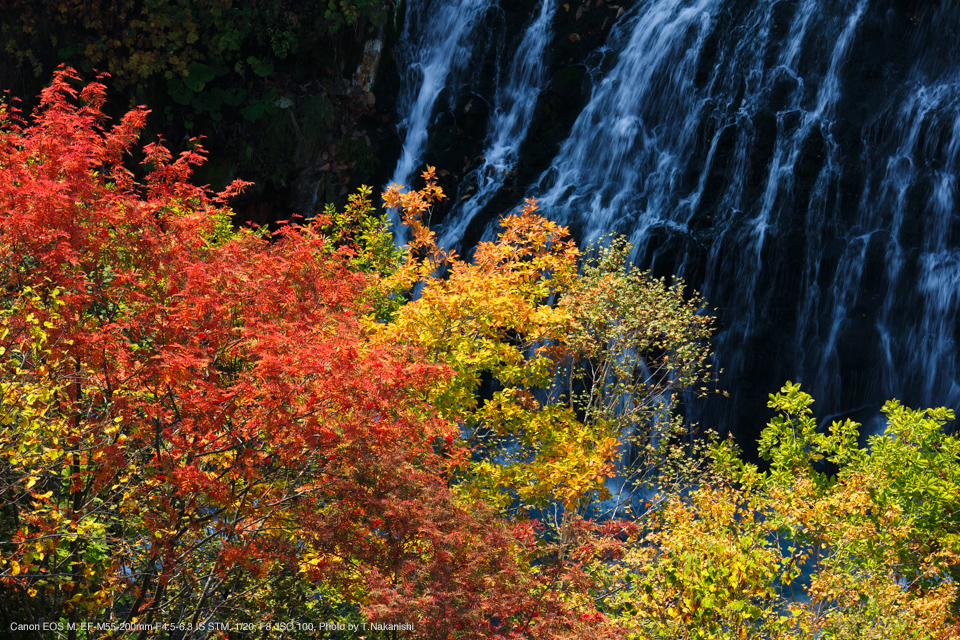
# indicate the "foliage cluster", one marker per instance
pixel 187 42
pixel 869 550
pixel 200 424
pixel 195 426
pixel 561 360
pixel 264 79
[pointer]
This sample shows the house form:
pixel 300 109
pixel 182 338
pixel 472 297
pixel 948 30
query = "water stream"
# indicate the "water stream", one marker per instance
pixel 434 53
pixel 514 104
pixel 794 160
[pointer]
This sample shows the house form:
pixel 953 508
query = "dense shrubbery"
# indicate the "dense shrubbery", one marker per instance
pixel 268 81
pixel 193 41
pixel 202 424
pixel 212 57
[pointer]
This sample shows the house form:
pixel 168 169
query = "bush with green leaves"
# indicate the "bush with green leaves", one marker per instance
pixel 832 541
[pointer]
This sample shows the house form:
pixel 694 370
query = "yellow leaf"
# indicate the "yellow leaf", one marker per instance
pixel 14 568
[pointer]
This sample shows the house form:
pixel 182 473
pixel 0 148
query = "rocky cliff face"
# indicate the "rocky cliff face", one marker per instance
pixel 793 160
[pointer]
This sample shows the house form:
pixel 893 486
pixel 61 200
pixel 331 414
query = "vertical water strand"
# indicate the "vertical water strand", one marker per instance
pixel 514 104
pixel 797 121
pixel 774 90
pixel 927 159
pixel 435 47
pixel 733 96
pixel 939 262
pixel 619 141
pixel 772 154
pixel 785 164
pixel 931 348
pixel 887 213
pixel 821 224
pixel 893 326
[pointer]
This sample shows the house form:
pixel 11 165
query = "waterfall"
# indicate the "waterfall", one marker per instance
pixel 794 160
pixel 434 50
pixel 616 148
pixel 514 105
pixel 927 154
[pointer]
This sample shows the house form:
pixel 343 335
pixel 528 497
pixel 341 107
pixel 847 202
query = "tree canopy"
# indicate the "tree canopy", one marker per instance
pixel 316 429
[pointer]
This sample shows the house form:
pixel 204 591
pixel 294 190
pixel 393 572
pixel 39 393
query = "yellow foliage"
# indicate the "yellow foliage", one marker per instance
pixel 793 553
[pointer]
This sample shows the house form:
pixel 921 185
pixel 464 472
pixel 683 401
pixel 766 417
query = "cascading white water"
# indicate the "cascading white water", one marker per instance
pixel 434 50
pixel 929 149
pixel 795 161
pixel 514 104
pixel 617 147
pixel 815 117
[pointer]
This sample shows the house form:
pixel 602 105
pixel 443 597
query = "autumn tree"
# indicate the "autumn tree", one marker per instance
pixel 204 424
pixel 562 360
pixel 868 550
pixel 196 427
pixel 568 366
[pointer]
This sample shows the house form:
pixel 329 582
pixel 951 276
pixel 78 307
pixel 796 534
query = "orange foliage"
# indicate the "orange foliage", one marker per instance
pixel 195 424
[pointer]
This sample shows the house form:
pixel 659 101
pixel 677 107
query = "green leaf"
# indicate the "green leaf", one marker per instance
pixel 198 75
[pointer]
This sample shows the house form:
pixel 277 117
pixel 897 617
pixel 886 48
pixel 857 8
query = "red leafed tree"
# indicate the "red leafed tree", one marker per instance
pixel 194 427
